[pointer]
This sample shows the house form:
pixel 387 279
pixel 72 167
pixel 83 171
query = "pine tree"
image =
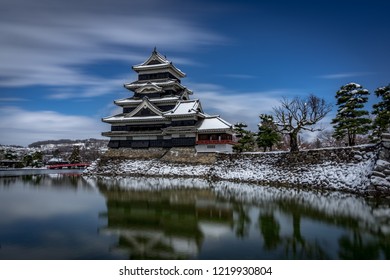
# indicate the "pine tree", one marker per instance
pixel 56 153
pixel 75 156
pixel 37 159
pixel 268 135
pixel 246 139
pixel 351 119
pixel 381 110
pixel 27 160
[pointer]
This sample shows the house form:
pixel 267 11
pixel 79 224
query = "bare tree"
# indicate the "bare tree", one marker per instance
pixel 328 140
pixel 300 114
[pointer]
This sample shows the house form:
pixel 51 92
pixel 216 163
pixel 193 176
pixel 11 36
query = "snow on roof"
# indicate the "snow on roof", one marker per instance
pixel 142 84
pixel 54 160
pixel 122 118
pixel 160 65
pixel 145 104
pixel 214 122
pixel 163 62
pixel 153 100
pixel 185 107
pixel 149 88
pixel 155 56
pixel 138 84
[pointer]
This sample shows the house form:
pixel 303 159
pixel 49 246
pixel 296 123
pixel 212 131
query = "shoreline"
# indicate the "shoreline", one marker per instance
pixel 12 172
pixel 346 169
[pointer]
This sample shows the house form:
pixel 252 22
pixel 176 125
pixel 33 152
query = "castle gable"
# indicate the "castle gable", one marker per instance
pixel 146 108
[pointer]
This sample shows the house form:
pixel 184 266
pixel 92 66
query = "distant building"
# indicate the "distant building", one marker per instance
pixel 54 161
pixel 160 114
pixel 11 163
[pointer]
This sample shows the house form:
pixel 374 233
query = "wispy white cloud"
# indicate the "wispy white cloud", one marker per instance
pixel 50 43
pixel 45 43
pixel 25 127
pixel 97 88
pixel 344 75
pixel 324 124
pixel 247 106
pixel 237 106
pixel 12 99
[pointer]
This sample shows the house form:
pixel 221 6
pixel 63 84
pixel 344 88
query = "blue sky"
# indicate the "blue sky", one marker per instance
pixel 62 63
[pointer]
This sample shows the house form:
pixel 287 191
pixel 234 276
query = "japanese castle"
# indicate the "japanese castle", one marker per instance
pixel 160 113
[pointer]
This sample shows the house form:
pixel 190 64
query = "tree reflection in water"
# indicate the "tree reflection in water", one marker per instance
pixel 243 221
pixel 354 246
pixel 270 230
pixel 177 219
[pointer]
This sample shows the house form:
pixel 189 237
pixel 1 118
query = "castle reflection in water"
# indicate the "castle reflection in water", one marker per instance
pixel 158 218
pixel 68 216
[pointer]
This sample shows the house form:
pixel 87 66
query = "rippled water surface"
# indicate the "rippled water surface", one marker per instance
pixel 67 216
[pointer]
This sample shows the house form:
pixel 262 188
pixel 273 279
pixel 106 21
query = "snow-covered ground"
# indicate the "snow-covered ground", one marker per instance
pixel 329 174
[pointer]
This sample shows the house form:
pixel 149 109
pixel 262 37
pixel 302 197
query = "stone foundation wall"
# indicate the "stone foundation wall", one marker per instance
pixel 289 160
pixel 173 155
pixel 282 159
pixel 344 169
pixel 380 177
pixel 188 156
pixel 128 153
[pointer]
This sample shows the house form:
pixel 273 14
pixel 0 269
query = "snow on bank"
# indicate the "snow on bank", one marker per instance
pixel 328 175
pixel 352 175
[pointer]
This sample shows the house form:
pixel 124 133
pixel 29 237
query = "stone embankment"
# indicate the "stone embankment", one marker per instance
pixel 360 169
pixel 346 169
pixel 173 155
pixel 380 177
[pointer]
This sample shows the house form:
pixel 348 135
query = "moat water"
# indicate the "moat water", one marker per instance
pixel 67 216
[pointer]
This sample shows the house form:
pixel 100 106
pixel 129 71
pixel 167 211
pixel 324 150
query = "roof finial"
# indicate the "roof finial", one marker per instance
pixel 155 49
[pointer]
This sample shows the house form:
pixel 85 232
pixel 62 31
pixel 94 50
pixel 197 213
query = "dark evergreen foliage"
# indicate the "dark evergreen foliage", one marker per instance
pixel 246 139
pixel 381 110
pixel 351 119
pixel 33 159
pixel 75 156
pixel 27 160
pixel 268 135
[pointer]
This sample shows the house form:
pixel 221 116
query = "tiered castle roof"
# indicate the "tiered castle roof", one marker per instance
pixel 160 109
